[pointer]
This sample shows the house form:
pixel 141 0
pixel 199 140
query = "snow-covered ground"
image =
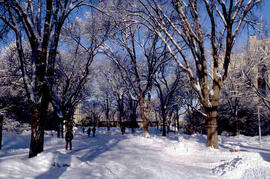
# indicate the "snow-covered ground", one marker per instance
pixel 111 155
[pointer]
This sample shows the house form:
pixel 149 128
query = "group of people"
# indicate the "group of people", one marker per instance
pixel 69 136
pixel 89 131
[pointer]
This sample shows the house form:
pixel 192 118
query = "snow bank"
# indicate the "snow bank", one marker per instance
pixel 227 166
pixel 248 166
pixel 187 145
pixel 112 155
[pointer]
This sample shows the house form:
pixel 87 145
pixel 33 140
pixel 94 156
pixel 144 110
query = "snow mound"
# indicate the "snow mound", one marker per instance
pixel 255 173
pixel 248 166
pixel 227 166
pixel 184 146
pixel 179 148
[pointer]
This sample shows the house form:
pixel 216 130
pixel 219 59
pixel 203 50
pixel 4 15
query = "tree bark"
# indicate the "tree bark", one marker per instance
pixel 1 130
pixel 108 121
pixel 212 128
pixel 107 115
pixel 37 132
pixel 144 118
pixel 164 121
pixel 177 122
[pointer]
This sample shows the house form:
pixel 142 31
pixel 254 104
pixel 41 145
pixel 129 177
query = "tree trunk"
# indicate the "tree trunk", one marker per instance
pixel 37 132
pixel 144 118
pixel 39 109
pixel 177 122
pixel 133 122
pixel 60 128
pixel 39 116
pixel 168 128
pixel 164 122
pixel 237 130
pixel 121 111
pixel 212 128
pixel 1 130
pixel 108 120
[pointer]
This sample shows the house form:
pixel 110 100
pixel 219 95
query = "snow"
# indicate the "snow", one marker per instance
pixel 112 155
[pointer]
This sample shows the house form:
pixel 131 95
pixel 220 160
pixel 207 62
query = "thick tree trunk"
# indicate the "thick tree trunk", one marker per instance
pixel 37 132
pixel 39 109
pixel 145 124
pixel 39 116
pixel 212 128
pixel 1 130
pixel 144 118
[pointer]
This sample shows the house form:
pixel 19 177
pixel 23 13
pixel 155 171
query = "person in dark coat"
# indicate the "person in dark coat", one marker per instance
pixel 94 131
pixel 83 130
pixel 123 129
pixel 69 137
pixel 89 131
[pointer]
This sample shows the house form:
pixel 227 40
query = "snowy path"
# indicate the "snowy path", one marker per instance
pixel 111 155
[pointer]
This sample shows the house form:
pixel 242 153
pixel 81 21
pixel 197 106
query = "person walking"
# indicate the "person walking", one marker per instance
pixel 123 129
pixel 69 137
pixel 83 130
pixel 89 131
pixel 94 131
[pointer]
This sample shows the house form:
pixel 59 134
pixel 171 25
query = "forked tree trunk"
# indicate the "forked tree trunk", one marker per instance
pixel 212 128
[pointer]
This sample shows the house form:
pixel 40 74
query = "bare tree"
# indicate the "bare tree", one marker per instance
pixel 200 26
pixel 168 83
pixel 255 71
pixel 143 54
pixel 117 86
pixel 41 24
pixel 83 38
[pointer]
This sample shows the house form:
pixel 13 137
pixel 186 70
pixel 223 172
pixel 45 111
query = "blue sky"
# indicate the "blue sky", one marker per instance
pixel 263 10
pixel 266 11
